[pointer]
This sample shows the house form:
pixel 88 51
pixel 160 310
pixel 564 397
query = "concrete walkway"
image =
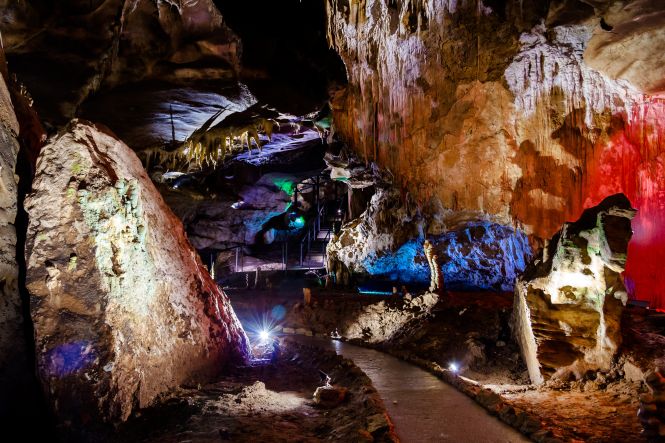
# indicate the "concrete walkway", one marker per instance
pixel 422 407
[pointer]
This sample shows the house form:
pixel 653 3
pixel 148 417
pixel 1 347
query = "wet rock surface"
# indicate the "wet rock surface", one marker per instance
pixel 568 303
pixel 122 307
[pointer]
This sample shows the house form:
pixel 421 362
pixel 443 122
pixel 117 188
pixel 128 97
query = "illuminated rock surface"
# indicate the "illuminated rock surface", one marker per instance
pixel 652 406
pixel 568 303
pixel 520 109
pixel 122 307
pixel 387 240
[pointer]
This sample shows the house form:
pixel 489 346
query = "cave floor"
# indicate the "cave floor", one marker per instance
pixel 265 401
pixel 473 330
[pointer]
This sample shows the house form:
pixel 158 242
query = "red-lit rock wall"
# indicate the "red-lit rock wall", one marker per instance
pixel 494 107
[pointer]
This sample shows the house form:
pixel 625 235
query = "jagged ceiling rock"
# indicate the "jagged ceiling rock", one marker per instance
pixel 387 241
pixel 122 307
pixel 499 107
pixel 86 44
pixel 568 303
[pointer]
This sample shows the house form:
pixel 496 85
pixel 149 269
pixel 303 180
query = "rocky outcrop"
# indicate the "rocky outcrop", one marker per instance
pixel 14 366
pixel 220 224
pixel 568 303
pixel 388 240
pixel 88 44
pixel 652 406
pixel 524 110
pixel 123 309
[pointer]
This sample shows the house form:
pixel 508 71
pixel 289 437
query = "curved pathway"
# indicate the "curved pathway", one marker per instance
pixel 422 407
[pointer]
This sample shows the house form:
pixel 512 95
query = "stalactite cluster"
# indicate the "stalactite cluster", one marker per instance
pixel 511 119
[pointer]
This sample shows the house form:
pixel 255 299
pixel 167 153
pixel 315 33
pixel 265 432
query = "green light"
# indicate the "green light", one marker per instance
pixel 299 222
pixel 284 185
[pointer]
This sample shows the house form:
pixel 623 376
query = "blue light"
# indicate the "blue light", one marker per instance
pixel 373 292
pixel 297 223
pixel 69 358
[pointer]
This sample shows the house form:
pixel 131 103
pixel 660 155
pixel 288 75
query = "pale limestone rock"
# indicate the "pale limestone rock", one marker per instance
pixel 630 44
pixel 568 304
pixel 122 307
pixel 379 322
pixel 495 107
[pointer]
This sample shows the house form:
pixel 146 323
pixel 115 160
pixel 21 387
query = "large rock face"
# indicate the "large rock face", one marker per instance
pixel 522 109
pixel 13 348
pixel 86 44
pixel 122 307
pixel 568 303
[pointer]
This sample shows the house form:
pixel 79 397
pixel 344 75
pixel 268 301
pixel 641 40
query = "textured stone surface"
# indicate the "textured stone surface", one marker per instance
pixel 388 240
pixel 652 406
pixel 13 349
pixel 87 44
pixel 630 44
pixel 568 303
pixel 216 224
pixel 522 109
pixel 122 307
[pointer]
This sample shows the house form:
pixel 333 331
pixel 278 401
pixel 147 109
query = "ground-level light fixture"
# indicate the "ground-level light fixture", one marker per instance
pixel 453 367
pixel 264 335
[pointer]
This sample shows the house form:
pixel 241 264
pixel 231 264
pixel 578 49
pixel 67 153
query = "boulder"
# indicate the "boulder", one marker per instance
pixel 329 396
pixel 122 306
pixel 568 303
pixel 652 406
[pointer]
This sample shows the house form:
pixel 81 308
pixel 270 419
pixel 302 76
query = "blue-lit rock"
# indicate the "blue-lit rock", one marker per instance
pixel 387 241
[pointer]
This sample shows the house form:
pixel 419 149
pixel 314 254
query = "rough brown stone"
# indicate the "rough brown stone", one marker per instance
pixel 122 307
pixel 568 303
pixel 13 348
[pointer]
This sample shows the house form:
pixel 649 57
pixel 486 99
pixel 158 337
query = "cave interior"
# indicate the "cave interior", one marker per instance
pixel 332 220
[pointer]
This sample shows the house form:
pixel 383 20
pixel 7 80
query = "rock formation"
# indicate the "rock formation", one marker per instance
pixel 652 406
pixel 87 44
pixel 568 303
pixel 523 110
pixel 13 348
pixel 123 309
pixel 220 224
pixel 388 240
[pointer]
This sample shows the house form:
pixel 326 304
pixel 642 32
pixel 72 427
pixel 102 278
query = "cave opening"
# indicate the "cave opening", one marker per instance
pixel 315 220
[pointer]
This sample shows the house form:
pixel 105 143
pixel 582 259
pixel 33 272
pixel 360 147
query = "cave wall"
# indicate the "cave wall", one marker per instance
pixel 511 109
pixel 14 364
